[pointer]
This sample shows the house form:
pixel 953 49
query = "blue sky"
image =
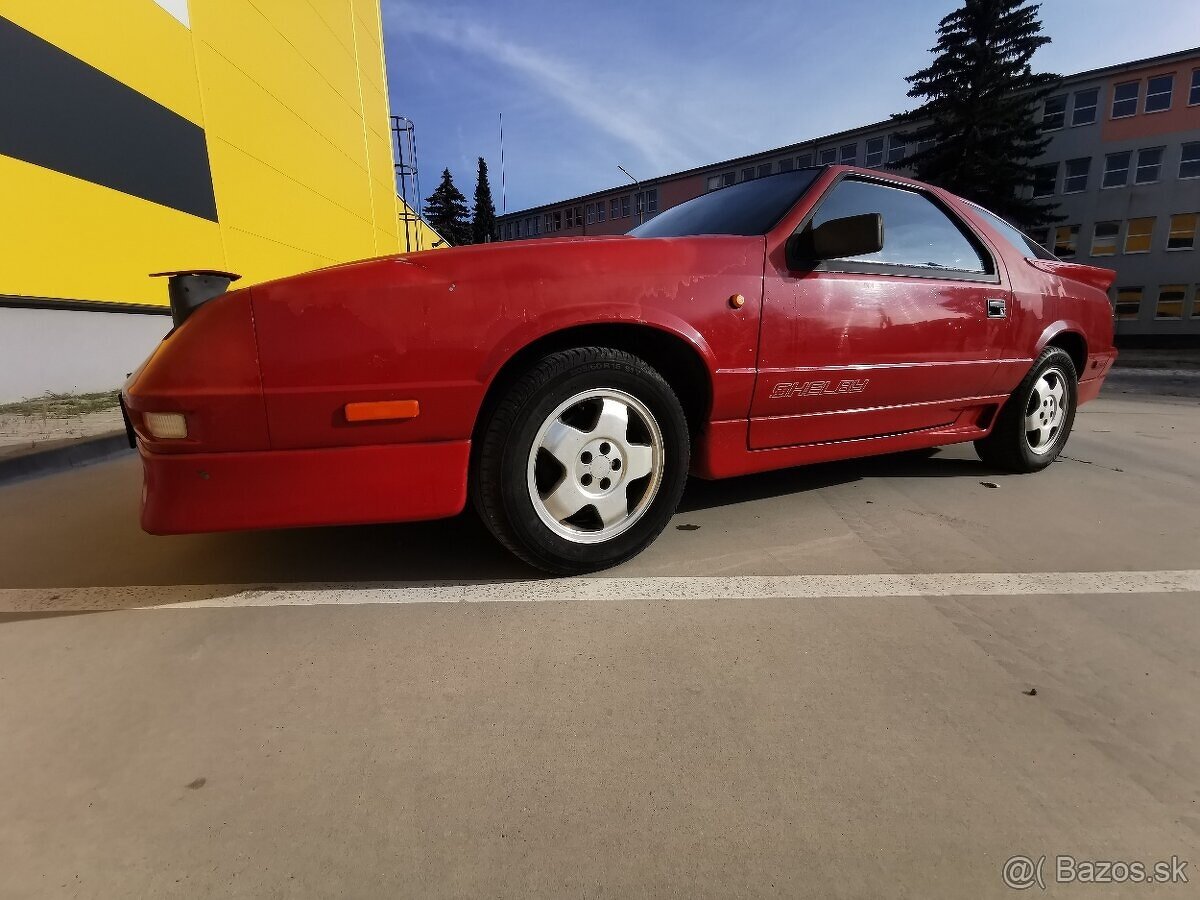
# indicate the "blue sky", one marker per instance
pixel 659 85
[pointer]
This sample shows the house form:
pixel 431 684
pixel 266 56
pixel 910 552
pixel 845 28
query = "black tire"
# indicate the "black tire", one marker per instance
pixel 1009 445
pixel 502 483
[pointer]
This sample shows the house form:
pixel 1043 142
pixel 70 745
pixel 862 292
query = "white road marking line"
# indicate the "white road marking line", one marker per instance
pixel 743 587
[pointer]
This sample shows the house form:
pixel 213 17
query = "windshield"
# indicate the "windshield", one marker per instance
pixel 752 207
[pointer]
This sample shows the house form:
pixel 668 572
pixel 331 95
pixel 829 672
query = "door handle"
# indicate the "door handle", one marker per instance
pixel 996 308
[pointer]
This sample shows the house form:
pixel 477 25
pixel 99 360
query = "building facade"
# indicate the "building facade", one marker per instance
pixel 1122 165
pixel 139 136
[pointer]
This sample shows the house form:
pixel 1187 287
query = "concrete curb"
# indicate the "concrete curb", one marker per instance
pixel 37 463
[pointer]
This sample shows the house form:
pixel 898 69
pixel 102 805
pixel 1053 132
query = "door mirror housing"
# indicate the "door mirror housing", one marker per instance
pixel 836 239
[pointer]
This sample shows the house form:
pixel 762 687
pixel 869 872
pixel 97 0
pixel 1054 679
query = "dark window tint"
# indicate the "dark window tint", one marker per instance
pixel 1194 93
pixel 1116 169
pixel 1125 99
pixel 1149 165
pixel 751 207
pixel 1077 175
pixel 916 232
pixel 1054 112
pixel 1189 161
pixel 874 151
pixel 1044 179
pixel 1022 243
pixel 1084 112
pixel 1158 93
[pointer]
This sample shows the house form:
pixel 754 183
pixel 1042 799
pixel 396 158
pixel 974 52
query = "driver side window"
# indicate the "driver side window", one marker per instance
pixel 916 232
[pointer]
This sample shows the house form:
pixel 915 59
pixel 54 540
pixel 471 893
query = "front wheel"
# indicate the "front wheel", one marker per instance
pixel 583 461
pixel 1034 424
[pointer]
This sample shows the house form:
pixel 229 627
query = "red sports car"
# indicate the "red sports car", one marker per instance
pixel 569 386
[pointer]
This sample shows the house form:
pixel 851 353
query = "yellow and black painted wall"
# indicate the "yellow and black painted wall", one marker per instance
pixel 138 136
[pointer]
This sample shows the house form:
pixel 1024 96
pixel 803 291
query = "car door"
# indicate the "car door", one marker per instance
pixel 889 342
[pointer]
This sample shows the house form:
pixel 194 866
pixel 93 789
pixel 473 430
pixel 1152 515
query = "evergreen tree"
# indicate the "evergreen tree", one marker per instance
pixel 979 103
pixel 483 222
pixel 446 211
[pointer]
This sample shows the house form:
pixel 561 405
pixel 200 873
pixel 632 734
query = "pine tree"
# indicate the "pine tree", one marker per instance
pixel 979 102
pixel 446 211
pixel 483 222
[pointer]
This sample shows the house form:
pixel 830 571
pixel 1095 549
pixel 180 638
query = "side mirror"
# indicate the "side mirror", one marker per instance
pixel 836 239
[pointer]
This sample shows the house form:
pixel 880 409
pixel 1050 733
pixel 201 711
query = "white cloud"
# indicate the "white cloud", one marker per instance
pixel 626 115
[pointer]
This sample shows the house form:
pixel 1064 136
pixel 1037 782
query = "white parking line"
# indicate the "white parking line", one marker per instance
pixel 744 587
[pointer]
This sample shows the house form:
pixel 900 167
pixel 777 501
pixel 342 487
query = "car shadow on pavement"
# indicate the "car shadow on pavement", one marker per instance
pixel 926 463
pixel 456 551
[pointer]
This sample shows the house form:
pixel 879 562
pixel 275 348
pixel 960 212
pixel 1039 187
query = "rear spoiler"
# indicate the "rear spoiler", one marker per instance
pixel 1093 275
pixel 189 290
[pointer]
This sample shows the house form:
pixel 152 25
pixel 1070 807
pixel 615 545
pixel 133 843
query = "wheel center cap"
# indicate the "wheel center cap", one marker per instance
pixel 600 466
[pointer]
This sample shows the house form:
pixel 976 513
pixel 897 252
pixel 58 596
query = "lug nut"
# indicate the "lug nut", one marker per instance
pixel 585 458
pixel 616 464
pixel 585 480
pixel 604 448
pixel 604 484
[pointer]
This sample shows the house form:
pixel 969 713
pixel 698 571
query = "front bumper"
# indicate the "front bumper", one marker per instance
pixel 196 492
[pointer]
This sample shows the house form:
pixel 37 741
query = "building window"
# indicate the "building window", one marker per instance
pixel 764 170
pixel 652 201
pixel 1083 111
pixel 1149 165
pixel 728 178
pixel 748 173
pixel 1189 162
pixel 1158 93
pixel 1066 238
pixel 874 152
pixel 785 165
pixel 1076 178
pixel 549 223
pixel 1116 169
pixel 827 157
pixel 804 160
pixel 590 211
pixel 1044 179
pixel 614 208
pixel 849 154
pixel 895 152
pixel 1183 232
pixel 558 221
pixel 600 211
pixel 1194 97
pixel 924 145
pixel 639 205
pixel 537 225
pixel 1170 301
pixel 714 182
pixel 1054 112
pixel 570 217
pixel 1138 235
pixel 625 207
pixel 1104 238
pixel 1125 99
pixel 1129 302
pixel 1196 303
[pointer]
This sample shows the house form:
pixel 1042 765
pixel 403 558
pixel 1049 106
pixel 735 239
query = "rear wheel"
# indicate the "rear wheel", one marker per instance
pixel 582 463
pixel 1033 426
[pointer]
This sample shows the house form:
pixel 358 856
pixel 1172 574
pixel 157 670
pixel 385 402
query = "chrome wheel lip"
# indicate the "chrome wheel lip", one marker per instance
pixel 622 450
pixel 1046 411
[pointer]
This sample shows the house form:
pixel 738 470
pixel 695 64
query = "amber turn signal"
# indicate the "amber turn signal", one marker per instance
pixel 737 301
pixel 379 410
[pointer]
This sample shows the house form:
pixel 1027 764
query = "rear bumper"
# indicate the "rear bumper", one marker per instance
pixel 1092 378
pixel 194 492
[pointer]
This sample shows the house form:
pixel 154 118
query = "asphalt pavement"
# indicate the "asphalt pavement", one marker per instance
pixel 881 677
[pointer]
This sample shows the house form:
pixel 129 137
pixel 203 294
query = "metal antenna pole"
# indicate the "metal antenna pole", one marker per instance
pixel 503 182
